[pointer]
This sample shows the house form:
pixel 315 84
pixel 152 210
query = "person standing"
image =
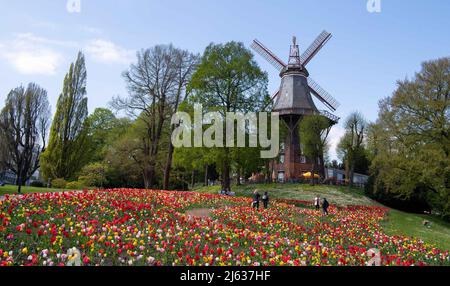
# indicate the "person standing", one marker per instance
pixel 265 199
pixel 256 198
pixel 317 203
pixel 325 206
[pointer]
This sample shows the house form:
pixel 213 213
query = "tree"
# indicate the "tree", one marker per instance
pixel 185 65
pixel 351 146
pixel 4 156
pixel 102 123
pixel 68 149
pixel 228 80
pixel 122 169
pixel 127 157
pixel 411 141
pixel 23 128
pixel 93 175
pixel 246 161
pixel 191 161
pixel 314 132
pixel 156 84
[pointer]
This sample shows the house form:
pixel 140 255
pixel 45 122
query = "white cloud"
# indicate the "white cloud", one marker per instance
pixel 29 54
pixel 39 62
pixel 107 52
pixel 29 38
pixel 334 137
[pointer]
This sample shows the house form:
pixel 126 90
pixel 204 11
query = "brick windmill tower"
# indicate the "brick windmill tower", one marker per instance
pixel 293 101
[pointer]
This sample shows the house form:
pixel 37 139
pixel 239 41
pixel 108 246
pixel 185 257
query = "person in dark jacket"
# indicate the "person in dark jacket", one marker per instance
pixel 256 198
pixel 325 206
pixel 265 199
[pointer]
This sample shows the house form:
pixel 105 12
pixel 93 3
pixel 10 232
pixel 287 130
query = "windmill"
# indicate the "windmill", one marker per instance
pixel 293 100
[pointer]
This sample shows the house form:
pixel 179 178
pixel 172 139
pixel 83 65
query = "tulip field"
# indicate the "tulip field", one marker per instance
pixel 154 228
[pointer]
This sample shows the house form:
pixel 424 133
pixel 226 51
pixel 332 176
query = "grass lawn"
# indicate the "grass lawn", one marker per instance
pixel 397 222
pixel 401 223
pixel 9 189
pixel 341 196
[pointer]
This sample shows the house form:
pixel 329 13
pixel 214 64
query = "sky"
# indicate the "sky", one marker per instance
pixel 359 66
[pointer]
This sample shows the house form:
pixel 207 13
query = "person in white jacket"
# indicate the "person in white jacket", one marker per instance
pixel 317 203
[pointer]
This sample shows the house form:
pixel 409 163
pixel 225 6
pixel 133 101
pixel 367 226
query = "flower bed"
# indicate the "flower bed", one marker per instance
pixel 140 227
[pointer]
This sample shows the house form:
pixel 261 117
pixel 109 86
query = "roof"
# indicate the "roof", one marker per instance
pixel 294 97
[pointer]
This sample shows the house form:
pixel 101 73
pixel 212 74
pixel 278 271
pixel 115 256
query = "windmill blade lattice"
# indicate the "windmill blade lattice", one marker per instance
pixel 315 47
pixel 330 116
pixel 322 95
pixel 268 55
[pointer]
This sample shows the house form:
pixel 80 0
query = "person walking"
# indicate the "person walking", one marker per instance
pixel 325 206
pixel 265 199
pixel 256 198
pixel 317 203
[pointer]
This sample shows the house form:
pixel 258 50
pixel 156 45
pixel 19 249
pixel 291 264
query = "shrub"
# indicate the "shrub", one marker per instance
pixel 75 185
pixel 59 183
pixel 93 175
pixel 37 184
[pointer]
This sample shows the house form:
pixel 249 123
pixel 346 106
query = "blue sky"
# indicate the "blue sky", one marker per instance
pixel 368 53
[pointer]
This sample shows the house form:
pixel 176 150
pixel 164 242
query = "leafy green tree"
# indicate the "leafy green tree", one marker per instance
pixel 314 131
pixel 69 148
pixel 192 161
pixel 102 124
pixel 411 140
pixel 23 131
pixel 93 175
pixel 246 161
pixel 228 80
pixel 127 158
pixel 156 85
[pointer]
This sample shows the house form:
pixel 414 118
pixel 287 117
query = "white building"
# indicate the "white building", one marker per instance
pixel 339 177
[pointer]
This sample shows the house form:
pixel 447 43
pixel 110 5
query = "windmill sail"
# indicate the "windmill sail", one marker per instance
pixel 322 95
pixel 268 55
pixel 315 47
pixel 330 116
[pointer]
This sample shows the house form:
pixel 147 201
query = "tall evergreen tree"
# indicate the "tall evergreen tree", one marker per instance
pixel 68 146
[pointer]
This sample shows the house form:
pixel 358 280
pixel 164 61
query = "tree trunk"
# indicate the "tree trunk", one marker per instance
pixel 238 179
pixel 206 175
pixel 347 170
pixel 193 179
pixel 19 182
pixel 352 174
pixel 168 168
pixel 322 167
pixel 149 174
pixel 267 175
pixel 314 171
pixel 271 171
pixel 226 173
